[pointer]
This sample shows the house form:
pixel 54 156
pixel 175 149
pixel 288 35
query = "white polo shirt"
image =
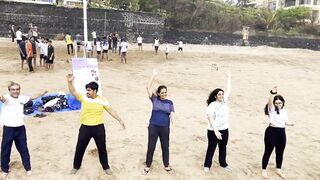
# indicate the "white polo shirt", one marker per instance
pixel 12 111
pixel 19 35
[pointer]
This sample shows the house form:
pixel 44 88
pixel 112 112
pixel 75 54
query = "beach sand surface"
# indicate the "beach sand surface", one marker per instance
pixel 190 77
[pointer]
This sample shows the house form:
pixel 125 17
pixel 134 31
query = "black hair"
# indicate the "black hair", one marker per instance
pixel 160 88
pixel 92 85
pixel 277 97
pixel 213 95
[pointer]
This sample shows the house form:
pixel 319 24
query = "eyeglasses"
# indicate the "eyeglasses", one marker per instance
pixel 18 89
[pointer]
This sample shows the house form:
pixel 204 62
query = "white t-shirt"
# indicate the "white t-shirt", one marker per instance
pixel 167 49
pixel 124 46
pixel 12 111
pixel 220 113
pixel 105 45
pixel 44 49
pixel 139 39
pixel 180 44
pixel 94 35
pixel 156 42
pixel 278 120
pixel 89 46
pixel 98 43
pixel 19 35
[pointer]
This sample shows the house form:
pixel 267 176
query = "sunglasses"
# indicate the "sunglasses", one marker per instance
pixel 18 89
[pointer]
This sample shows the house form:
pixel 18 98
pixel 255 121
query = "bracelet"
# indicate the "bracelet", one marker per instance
pixel 273 93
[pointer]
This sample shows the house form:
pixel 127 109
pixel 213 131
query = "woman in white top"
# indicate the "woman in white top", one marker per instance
pixel 218 124
pixel 275 134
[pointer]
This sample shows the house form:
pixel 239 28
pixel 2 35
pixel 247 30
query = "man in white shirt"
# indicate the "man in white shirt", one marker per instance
pixel 19 35
pixel 180 45
pixel 167 49
pixel 139 40
pixel 94 37
pixel 156 44
pixel 13 127
pixel 124 49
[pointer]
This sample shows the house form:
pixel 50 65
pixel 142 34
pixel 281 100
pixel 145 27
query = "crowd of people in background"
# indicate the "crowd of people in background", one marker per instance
pixel 29 43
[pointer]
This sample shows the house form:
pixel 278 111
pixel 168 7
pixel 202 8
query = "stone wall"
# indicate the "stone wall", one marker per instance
pixel 194 37
pixel 52 20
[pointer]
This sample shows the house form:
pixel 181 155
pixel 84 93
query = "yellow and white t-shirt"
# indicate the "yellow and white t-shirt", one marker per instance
pixel 92 110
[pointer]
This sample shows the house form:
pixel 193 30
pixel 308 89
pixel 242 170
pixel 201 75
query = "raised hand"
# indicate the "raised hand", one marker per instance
pixel 70 77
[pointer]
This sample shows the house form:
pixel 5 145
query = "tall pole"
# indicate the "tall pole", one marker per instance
pixel 85 26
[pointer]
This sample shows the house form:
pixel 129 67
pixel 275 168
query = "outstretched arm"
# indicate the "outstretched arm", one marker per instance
pixel 150 84
pixel 114 115
pixel 2 99
pixel 72 90
pixel 38 95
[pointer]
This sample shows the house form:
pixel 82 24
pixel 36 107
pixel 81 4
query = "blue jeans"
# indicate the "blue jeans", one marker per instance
pixel 18 135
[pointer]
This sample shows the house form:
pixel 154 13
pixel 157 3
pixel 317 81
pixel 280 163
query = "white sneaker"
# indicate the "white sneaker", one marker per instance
pixel 227 168
pixel 29 173
pixel 206 169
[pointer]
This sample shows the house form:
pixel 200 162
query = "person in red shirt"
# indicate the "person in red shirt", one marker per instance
pixel 29 55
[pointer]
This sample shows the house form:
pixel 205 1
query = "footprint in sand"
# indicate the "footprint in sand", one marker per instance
pixel 199 138
pixel 93 152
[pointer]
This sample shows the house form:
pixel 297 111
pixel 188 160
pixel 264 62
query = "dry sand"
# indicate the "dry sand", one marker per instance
pixel 190 78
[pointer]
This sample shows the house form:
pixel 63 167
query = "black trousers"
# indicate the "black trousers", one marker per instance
pixel 68 47
pixel 29 61
pixel 274 138
pixel 153 133
pixel 19 137
pixel 85 135
pixel 212 144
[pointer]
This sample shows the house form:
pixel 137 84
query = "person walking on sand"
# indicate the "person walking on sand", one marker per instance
pixel 92 123
pixel 124 50
pixel 14 129
pixel 22 50
pixel 12 33
pixel 159 124
pixel 156 45
pixel 218 125
pixel 69 42
pixel 167 50
pixel 139 40
pixel 275 134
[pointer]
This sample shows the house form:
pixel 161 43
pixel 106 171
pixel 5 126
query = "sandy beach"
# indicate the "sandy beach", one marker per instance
pixel 190 77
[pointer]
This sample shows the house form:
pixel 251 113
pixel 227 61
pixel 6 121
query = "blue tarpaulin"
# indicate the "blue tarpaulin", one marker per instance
pixel 73 103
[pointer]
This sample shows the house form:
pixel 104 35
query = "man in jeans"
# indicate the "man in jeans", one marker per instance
pixel 13 127
pixel 92 123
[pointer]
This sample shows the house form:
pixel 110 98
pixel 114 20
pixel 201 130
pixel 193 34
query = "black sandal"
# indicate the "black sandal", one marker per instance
pixel 145 171
pixel 169 170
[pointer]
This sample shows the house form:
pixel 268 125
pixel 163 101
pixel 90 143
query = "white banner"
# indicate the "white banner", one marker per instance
pixel 85 70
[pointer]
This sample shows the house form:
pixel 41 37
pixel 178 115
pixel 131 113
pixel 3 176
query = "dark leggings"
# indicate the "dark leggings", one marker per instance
pixel 99 136
pixel 212 144
pixel 153 133
pixel 274 137
pixel 68 47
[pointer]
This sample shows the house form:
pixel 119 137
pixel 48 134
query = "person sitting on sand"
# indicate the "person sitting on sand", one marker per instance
pixel 275 134
pixel 159 125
